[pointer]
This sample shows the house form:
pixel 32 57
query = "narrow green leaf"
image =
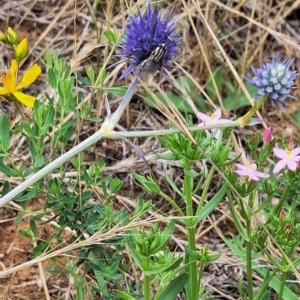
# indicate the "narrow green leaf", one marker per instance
pixel 4 133
pixel 164 268
pixel 212 204
pixel 124 295
pixel 171 291
pixel 33 227
pixel 27 196
pixel 7 170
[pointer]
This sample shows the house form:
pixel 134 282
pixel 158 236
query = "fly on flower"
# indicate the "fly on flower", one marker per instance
pixel 150 42
pixel 152 64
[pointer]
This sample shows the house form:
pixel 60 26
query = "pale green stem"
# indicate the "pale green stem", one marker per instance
pixel 188 192
pixel 283 279
pixel 147 281
pixel 106 130
pixel 51 166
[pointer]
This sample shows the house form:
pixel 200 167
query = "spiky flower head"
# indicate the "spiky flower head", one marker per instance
pixel 144 33
pixel 274 79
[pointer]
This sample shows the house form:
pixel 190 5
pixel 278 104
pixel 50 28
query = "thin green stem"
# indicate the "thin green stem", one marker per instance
pixel 249 260
pixel 145 133
pixel 283 279
pixel 188 193
pixel 282 200
pixel 147 279
pixel 173 203
pixel 205 190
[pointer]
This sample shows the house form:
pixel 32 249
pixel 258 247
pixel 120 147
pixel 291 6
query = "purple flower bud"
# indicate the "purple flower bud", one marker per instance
pixel 267 135
pixel 274 79
pixel 150 40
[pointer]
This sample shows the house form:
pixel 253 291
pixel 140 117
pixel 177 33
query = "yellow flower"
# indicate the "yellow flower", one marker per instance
pixel 21 50
pixel 10 85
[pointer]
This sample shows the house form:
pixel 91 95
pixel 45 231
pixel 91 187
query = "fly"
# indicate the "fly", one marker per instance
pixel 150 65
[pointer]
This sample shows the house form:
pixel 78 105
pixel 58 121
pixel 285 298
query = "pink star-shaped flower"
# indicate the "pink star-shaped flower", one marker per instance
pixel 289 158
pixel 249 170
pixel 212 119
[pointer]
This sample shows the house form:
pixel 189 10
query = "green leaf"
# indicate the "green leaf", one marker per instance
pixel 263 288
pixel 110 36
pixel 165 237
pixel 124 295
pixel 4 133
pixel 7 170
pixel 172 184
pixel 90 74
pixel 38 161
pixel 212 204
pixel 40 249
pixel 171 291
pixel 33 227
pixel 164 268
pixel 147 183
pixel 26 233
pixel 134 253
pixel 27 196
pixel 119 90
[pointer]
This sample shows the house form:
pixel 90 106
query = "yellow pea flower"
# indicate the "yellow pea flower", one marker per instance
pixel 10 85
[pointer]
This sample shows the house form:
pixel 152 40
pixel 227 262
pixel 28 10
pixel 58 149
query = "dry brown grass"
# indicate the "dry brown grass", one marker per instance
pixel 241 32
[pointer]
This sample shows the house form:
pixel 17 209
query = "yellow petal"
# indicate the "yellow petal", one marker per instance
pixel 30 76
pixel 4 91
pixel 25 99
pixel 13 68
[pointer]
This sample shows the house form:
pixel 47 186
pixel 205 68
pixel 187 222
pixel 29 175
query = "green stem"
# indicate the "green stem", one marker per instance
pixel 147 279
pixel 205 190
pixel 249 260
pixel 282 200
pixel 188 193
pixel 106 130
pixel 283 278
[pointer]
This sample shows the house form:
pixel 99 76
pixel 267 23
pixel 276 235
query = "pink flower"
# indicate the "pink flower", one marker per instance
pixel 212 119
pixel 249 170
pixel 289 158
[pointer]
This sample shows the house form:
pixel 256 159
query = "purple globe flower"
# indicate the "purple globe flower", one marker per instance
pixel 274 79
pixel 150 41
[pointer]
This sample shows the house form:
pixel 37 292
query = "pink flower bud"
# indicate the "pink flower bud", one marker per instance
pixel 267 135
pixel 291 143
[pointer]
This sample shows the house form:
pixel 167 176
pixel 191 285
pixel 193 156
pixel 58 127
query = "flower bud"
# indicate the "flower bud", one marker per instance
pixel 282 214
pixel 267 135
pixel 12 37
pixel 3 37
pixel 21 50
pixel 291 143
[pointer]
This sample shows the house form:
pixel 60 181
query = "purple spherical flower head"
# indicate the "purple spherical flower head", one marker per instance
pixel 144 33
pixel 274 79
